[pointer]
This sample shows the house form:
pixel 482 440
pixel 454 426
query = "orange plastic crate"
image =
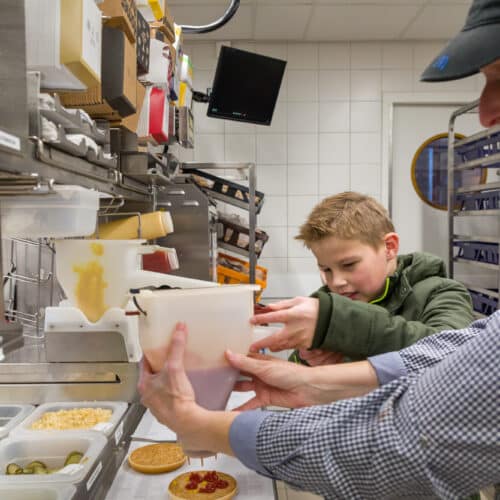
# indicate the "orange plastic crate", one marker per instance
pixel 228 276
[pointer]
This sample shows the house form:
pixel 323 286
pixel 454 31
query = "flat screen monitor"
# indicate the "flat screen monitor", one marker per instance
pixel 245 86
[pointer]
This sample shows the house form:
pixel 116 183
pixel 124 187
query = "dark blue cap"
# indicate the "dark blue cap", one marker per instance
pixel 476 46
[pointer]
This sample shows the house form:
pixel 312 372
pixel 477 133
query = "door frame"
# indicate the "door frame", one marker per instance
pixel 392 99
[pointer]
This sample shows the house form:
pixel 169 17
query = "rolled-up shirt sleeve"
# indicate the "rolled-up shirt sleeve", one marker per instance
pixel 243 438
pixel 388 366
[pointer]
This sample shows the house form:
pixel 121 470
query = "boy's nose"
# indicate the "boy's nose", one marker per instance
pixel 338 282
pixel 489 103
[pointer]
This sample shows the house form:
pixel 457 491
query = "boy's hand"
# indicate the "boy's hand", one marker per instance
pixel 299 316
pixel 316 357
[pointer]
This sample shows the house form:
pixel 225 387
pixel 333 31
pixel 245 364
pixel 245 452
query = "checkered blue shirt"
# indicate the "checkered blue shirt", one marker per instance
pixel 434 433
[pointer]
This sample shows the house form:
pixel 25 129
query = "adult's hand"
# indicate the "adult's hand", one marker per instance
pixel 280 383
pixel 299 316
pixel 170 397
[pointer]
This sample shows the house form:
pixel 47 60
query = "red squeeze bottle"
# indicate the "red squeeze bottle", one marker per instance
pixel 157 262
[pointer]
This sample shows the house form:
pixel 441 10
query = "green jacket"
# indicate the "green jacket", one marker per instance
pixel 420 300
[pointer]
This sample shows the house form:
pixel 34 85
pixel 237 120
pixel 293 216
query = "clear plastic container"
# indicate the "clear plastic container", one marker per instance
pixel 11 415
pixel 70 211
pixel 118 408
pixel 38 492
pixel 51 449
pixel 217 319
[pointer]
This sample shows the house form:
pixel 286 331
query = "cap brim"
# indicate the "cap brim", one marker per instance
pixel 465 55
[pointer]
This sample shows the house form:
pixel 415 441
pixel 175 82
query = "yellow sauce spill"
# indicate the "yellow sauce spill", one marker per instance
pixel 97 249
pixel 90 288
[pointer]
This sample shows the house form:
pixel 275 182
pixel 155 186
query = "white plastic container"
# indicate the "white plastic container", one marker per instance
pixel 70 211
pixel 11 415
pixel 217 319
pixel 52 449
pixel 118 408
pixel 38 492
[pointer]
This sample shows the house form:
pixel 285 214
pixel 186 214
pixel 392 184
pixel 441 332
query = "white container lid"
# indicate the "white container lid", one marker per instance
pixel 38 492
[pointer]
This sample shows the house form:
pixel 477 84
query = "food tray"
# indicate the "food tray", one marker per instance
pixel 228 191
pixel 38 492
pixel 52 450
pixel 477 251
pixel 480 148
pixel 485 200
pixel 10 416
pixel 483 303
pixel 107 428
pixel 232 271
pixel 235 236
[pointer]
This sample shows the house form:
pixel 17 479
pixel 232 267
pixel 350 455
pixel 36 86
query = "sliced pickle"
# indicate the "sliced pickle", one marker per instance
pixel 73 458
pixel 12 469
pixel 37 464
pixel 28 470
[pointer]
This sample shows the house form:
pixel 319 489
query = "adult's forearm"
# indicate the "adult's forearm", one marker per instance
pixel 328 383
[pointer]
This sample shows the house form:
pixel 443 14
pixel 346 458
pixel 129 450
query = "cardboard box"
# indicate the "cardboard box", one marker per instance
pixel 131 122
pixel 122 14
pixel 116 97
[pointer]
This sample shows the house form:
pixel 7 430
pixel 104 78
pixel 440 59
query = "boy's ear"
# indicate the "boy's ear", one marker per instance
pixel 391 241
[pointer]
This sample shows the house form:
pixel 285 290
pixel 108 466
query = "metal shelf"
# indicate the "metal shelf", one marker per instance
pixel 478 187
pixel 488 161
pixel 493 267
pixel 477 136
pixel 475 213
pixel 484 291
pixel 485 239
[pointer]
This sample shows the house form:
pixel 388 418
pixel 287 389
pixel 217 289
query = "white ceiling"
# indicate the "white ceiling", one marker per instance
pixel 326 20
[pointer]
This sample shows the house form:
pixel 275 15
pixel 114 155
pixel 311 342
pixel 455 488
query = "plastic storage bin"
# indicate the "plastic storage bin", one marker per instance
pixel 233 271
pixel 38 492
pixel 483 303
pixel 118 409
pixel 477 251
pixel 235 234
pixel 10 416
pixel 70 211
pixel 227 191
pixel 52 450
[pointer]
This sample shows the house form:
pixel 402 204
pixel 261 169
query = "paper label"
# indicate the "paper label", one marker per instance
pixel 10 141
pixel 94 475
pixel 92 36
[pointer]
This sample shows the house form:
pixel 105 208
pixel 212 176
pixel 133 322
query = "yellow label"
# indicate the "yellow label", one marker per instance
pixel 90 287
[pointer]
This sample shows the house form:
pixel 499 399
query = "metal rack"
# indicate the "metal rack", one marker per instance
pixel 473 255
pixel 246 172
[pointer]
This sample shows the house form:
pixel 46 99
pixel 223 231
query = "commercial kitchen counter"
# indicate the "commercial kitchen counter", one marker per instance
pixel 134 485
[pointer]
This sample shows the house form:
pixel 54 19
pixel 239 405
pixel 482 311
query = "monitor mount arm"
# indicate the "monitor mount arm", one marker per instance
pixel 231 10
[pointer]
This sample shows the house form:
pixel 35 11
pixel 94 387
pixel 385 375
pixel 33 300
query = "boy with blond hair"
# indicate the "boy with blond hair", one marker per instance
pixel 373 301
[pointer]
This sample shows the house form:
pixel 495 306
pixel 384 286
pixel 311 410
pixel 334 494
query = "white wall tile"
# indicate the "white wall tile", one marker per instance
pixel 334 116
pixel 366 179
pixel 302 117
pixel 240 148
pixel 366 116
pixel 334 56
pixel 397 55
pixel 276 246
pixel 366 85
pixel 276 50
pixel 278 122
pixel 365 148
pixel 204 124
pixel 302 56
pixel 236 127
pixel 304 265
pixel 334 148
pixel 334 85
pixel 274 211
pixel 272 179
pixel 277 286
pixel 302 180
pixel 397 80
pixel 299 207
pixel 296 248
pixel 202 80
pixel 271 149
pixel 366 55
pixel 302 148
pixel 209 147
pixel 334 179
pixel 302 85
